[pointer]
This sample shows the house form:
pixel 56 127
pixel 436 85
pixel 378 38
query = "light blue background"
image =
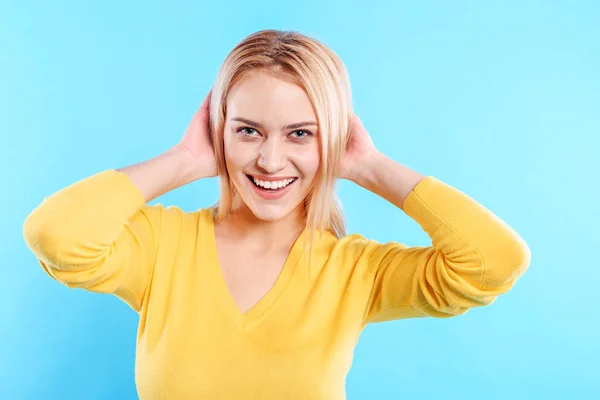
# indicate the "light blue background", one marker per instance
pixel 499 99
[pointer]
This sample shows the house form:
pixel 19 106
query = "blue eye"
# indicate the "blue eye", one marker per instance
pixel 247 131
pixel 301 134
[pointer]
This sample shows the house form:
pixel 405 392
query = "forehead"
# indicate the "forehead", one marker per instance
pixel 272 101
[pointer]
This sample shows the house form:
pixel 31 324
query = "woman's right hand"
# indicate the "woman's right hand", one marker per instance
pixel 196 142
pixel 189 160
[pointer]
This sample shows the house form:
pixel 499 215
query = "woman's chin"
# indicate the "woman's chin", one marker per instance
pixel 271 212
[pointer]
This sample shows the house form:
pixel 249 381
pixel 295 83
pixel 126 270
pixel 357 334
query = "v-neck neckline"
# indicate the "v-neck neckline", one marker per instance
pixel 219 285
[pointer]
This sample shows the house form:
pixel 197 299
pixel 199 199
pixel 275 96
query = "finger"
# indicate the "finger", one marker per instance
pixel 203 111
pixel 355 122
pixel 206 102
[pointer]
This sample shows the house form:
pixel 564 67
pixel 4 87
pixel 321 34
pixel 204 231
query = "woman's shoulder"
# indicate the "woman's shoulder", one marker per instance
pixel 356 245
pixel 175 209
pixel 174 217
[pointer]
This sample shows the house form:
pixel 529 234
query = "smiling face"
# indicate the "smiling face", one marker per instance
pixel 271 145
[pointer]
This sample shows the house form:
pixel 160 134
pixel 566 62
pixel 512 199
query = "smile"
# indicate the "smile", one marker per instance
pixel 271 189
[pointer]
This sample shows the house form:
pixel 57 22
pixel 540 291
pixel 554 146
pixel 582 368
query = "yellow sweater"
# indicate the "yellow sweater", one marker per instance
pixel 298 341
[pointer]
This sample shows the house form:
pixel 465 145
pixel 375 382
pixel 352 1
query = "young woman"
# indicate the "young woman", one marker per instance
pixel 264 295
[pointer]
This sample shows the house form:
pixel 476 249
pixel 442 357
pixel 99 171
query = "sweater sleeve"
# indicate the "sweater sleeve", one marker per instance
pixel 97 234
pixel 474 258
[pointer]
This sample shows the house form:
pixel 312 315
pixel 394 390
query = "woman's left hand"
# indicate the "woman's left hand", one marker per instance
pixel 360 147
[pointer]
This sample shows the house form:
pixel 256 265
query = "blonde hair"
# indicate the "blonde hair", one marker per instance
pixel 319 71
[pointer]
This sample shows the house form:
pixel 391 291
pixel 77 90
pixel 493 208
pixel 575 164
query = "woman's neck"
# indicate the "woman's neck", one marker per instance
pixel 260 235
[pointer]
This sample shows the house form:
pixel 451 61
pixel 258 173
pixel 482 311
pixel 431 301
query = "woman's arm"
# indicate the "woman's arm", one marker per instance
pixel 100 235
pixel 474 256
pixel 97 234
pixel 191 159
pixel 387 178
pixel 161 174
pixel 364 165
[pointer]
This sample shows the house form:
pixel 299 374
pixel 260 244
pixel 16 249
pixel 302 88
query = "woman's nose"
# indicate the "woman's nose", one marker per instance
pixel 272 157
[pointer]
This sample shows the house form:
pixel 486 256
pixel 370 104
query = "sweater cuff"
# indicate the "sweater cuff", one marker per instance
pixel 434 204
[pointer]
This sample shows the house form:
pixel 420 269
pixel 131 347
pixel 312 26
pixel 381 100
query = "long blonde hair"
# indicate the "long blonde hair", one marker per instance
pixel 319 71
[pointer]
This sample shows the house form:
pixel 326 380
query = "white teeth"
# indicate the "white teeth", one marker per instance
pixel 273 184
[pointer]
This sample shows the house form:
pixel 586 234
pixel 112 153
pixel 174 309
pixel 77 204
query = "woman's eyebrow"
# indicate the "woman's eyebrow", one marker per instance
pixel 258 125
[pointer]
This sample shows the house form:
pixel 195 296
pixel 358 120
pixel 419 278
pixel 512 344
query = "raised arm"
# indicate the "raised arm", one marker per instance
pixel 100 235
pixel 474 256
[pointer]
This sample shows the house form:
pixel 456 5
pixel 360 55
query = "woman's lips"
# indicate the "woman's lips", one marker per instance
pixel 271 194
